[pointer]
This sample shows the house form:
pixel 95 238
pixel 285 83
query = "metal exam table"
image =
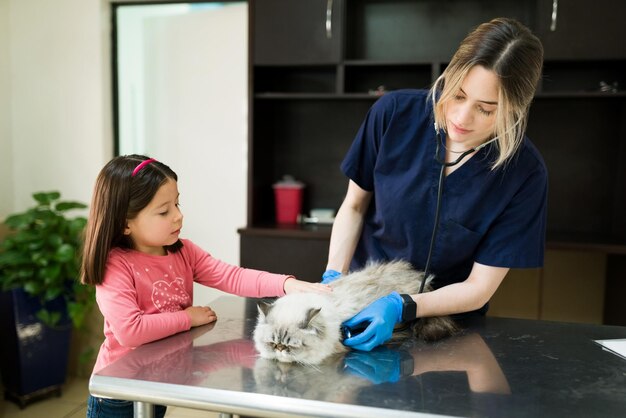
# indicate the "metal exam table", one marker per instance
pixel 495 367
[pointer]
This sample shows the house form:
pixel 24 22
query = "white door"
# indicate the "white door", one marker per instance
pixel 188 108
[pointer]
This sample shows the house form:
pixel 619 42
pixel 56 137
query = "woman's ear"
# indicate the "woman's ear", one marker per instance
pixel 127 229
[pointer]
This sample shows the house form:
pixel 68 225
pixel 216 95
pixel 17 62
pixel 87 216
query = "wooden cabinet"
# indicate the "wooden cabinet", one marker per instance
pixel 581 29
pixel 286 250
pixel 296 32
pixel 307 103
pixel 421 30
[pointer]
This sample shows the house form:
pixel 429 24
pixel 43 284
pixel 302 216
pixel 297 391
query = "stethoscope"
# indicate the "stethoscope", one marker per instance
pixel 444 164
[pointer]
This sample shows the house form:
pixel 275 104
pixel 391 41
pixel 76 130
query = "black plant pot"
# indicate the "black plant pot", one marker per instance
pixel 34 356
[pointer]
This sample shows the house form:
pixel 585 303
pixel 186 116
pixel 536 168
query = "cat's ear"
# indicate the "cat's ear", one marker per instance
pixel 264 308
pixel 311 313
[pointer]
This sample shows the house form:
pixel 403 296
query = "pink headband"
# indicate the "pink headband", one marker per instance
pixel 142 165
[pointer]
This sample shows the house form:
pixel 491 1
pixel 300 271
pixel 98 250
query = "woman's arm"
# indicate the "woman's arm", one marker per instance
pixel 384 313
pixel 347 228
pixel 465 296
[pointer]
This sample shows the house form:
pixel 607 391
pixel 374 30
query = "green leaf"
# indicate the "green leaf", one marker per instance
pixel 32 287
pixel 35 245
pixel 51 319
pixel 87 355
pixel 76 313
pixel 64 206
pixel 55 240
pixel 76 226
pixel 45 198
pixel 40 258
pixel 19 221
pixel 13 258
pixel 52 293
pixel 65 253
pixel 50 273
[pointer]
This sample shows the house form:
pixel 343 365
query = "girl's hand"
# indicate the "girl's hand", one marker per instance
pixel 293 285
pixel 200 315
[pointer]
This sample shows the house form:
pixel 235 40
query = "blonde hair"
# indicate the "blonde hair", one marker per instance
pixel 515 55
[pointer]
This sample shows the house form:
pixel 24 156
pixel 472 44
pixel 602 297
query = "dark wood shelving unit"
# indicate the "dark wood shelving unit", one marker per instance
pixel 581 95
pixel 304 231
pixel 310 91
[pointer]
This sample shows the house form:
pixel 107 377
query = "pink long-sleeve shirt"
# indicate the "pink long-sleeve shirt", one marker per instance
pixel 143 296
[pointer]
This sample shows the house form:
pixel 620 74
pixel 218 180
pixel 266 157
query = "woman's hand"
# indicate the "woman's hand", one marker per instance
pixel 330 276
pixel 200 315
pixel 293 285
pixel 381 315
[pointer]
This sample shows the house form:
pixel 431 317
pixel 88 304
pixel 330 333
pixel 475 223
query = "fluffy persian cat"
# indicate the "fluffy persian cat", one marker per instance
pixel 305 327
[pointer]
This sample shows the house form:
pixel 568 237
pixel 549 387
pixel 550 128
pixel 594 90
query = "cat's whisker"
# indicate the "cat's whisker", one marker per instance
pixel 316 368
pixel 309 365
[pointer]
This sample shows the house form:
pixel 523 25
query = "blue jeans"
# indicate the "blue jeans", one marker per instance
pixel 114 408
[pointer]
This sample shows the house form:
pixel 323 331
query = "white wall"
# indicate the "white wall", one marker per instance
pixel 183 100
pixel 58 98
pixel 55 116
pixel 6 160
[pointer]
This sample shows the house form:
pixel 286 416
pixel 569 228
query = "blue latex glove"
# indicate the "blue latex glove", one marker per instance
pixel 330 276
pixel 382 315
pixel 379 366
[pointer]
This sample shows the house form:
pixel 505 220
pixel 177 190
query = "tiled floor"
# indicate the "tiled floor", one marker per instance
pixel 73 404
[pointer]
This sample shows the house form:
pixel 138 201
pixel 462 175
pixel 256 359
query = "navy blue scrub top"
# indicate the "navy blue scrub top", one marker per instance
pixel 494 217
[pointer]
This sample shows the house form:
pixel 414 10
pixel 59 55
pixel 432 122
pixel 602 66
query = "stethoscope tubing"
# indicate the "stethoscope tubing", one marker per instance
pixel 444 164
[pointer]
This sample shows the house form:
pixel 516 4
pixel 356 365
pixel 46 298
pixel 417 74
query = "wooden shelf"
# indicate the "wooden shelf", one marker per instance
pixel 304 231
pixel 608 245
pixel 383 63
pixel 350 96
pixel 315 96
pixel 586 242
pixel 580 95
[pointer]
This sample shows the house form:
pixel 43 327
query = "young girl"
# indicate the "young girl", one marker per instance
pixel 144 272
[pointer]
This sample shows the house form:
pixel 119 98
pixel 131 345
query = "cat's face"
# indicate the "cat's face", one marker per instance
pixel 295 329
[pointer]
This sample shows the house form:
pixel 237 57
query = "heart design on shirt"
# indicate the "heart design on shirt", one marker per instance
pixel 170 297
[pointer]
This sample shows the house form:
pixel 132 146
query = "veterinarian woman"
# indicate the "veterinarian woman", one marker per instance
pixel 447 172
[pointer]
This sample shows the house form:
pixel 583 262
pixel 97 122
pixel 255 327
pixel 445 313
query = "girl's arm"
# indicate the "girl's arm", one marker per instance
pixel 293 285
pixel 215 273
pixel 347 228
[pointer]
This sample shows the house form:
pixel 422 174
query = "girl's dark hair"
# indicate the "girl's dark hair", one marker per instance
pixel 117 197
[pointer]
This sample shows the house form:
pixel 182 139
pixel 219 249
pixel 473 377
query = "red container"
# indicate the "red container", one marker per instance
pixel 288 197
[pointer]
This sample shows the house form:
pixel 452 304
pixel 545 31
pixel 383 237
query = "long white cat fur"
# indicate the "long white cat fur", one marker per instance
pixel 305 327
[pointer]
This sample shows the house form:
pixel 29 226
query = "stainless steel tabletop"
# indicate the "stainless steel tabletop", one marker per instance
pixel 495 367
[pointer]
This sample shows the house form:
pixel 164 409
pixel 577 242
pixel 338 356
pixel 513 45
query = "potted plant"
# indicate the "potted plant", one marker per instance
pixel 41 299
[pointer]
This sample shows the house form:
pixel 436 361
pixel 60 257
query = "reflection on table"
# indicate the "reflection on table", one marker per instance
pixel 495 367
